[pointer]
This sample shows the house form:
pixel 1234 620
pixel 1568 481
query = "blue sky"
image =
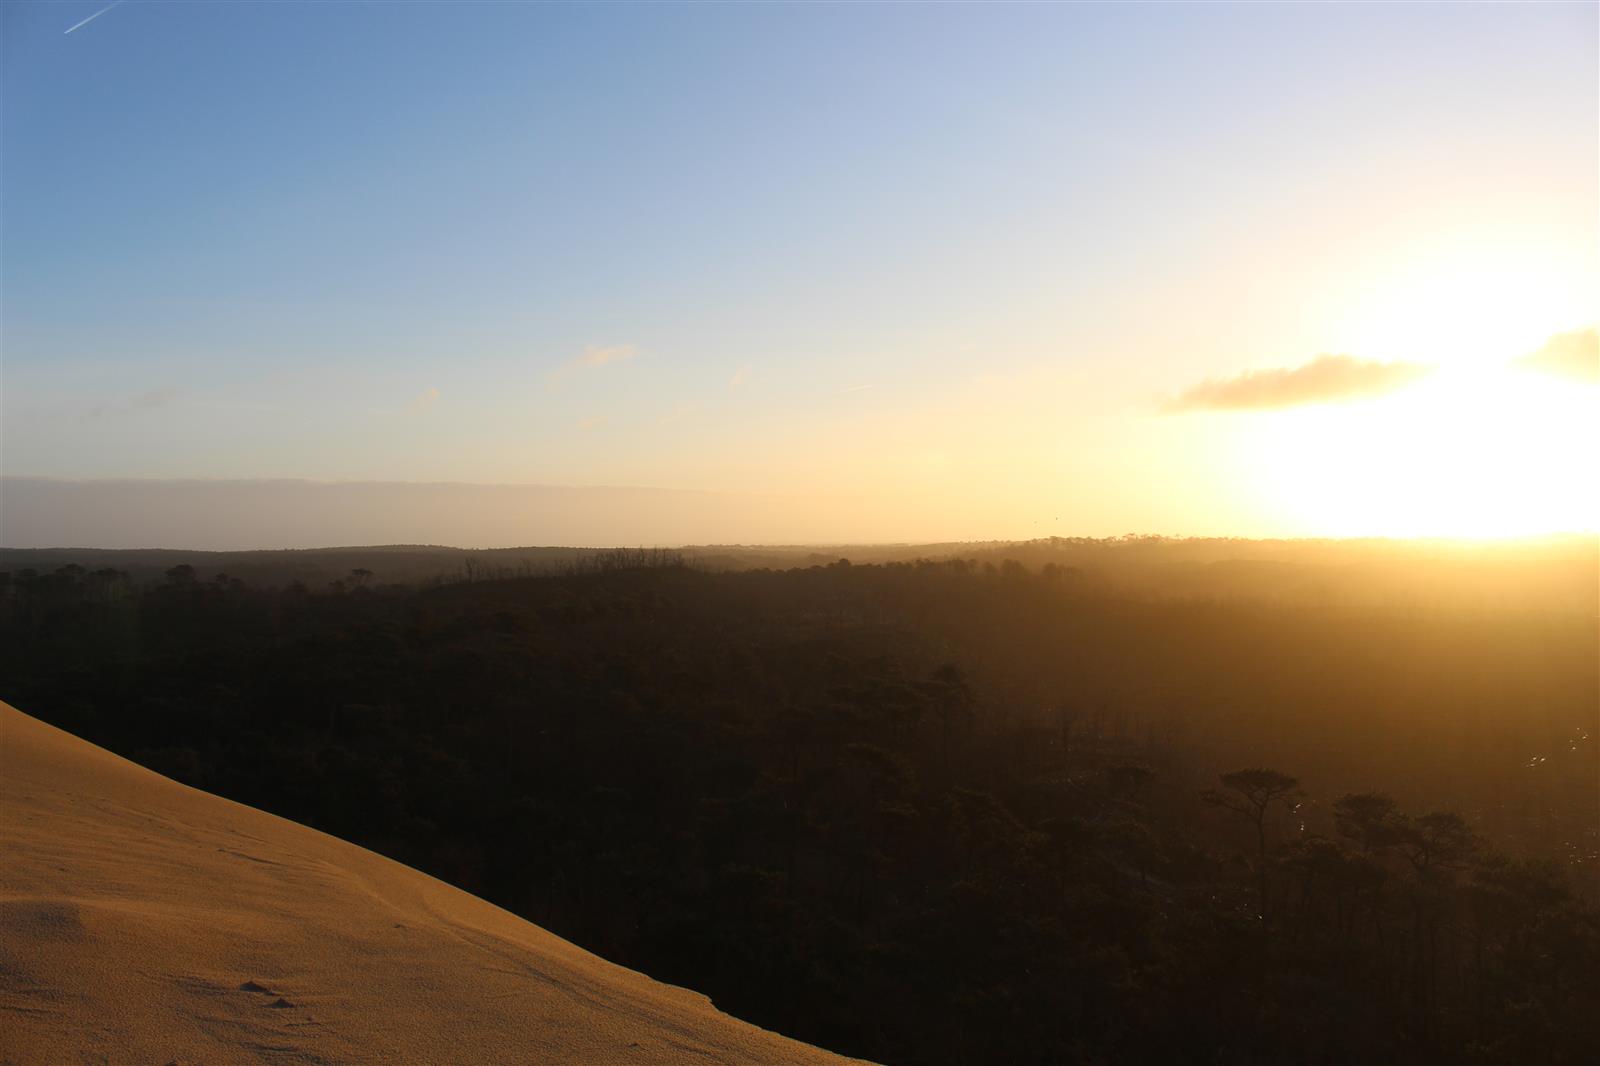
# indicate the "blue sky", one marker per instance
pixel 824 247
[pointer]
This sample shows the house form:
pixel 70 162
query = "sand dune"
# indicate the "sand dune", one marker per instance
pixel 142 921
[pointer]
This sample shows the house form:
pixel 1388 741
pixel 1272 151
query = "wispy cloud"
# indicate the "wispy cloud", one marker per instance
pixel 591 422
pixel 740 376
pixel 594 356
pixel 1569 355
pixel 145 401
pixel 857 388
pixel 1326 379
pixel 424 401
pixel 682 412
pixel 616 353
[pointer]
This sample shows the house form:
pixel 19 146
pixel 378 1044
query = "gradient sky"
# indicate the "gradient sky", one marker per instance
pixel 990 271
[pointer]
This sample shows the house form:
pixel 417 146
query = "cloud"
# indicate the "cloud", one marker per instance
pixel 740 376
pixel 1326 379
pixel 616 353
pixel 424 401
pixel 594 356
pixel 857 388
pixel 145 401
pixel 1569 355
pixel 680 413
pixel 591 422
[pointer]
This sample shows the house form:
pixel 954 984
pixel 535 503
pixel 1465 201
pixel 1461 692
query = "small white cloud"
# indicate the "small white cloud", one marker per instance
pixel 616 353
pixel 857 388
pixel 145 401
pixel 424 401
pixel 679 413
pixel 594 356
pixel 740 376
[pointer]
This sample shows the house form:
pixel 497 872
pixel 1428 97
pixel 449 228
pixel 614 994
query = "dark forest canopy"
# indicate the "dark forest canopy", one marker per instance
pixel 1548 573
pixel 990 808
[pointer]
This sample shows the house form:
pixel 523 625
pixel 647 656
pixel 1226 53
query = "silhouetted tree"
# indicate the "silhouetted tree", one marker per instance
pixel 1439 839
pixel 1253 793
pixel 1371 819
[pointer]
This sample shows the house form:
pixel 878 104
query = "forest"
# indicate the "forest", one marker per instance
pixel 994 808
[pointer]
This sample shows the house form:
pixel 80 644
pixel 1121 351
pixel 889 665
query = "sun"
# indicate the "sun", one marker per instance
pixel 1482 446
pixel 1475 450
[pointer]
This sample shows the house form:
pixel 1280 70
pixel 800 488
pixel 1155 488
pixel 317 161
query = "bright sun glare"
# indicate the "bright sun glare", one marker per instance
pixel 1472 451
pixel 1478 298
pixel 1481 447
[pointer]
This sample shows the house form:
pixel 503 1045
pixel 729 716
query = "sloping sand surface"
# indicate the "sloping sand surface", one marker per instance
pixel 142 921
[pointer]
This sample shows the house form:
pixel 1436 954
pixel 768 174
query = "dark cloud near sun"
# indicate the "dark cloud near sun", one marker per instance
pixel 1326 379
pixel 1569 355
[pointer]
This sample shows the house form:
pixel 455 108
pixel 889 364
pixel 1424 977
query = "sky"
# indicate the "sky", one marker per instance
pixel 868 272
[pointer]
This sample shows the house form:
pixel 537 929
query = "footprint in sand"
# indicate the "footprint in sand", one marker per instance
pixel 278 1004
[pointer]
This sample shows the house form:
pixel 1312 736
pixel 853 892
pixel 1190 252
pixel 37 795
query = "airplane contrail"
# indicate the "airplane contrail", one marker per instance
pixel 92 17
